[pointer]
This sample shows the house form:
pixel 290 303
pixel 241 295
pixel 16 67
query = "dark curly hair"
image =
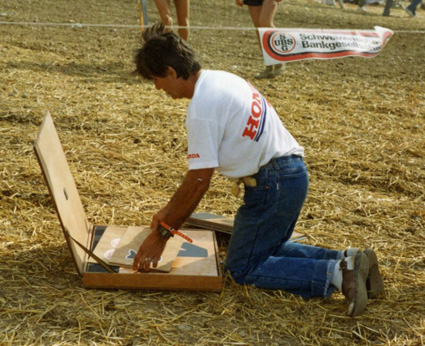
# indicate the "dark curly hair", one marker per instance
pixel 162 49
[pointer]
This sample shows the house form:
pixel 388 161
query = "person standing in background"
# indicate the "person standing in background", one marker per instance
pixel 262 13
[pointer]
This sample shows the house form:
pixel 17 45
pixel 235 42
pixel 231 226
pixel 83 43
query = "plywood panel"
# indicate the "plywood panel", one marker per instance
pixel 62 188
pixel 198 258
pixel 131 241
pixel 108 242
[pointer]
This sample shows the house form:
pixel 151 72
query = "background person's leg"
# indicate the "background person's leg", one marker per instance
pixel 411 9
pixel 182 11
pixel 267 13
pixel 262 17
pixel 254 12
pixel 164 11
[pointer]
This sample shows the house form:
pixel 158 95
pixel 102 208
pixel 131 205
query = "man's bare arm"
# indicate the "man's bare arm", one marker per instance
pixel 185 199
pixel 175 213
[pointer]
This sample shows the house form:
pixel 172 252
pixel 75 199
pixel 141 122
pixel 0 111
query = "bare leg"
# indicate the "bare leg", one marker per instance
pixel 254 12
pixel 182 11
pixel 268 11
pixel 262 17
pixel 164 10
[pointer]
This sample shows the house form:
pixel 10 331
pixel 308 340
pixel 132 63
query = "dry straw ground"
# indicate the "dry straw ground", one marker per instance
pixel 360 120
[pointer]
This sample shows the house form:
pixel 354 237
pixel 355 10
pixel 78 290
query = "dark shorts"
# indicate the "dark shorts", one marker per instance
pixel 253 2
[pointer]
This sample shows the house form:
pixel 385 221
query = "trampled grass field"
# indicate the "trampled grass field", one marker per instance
pixel 361 122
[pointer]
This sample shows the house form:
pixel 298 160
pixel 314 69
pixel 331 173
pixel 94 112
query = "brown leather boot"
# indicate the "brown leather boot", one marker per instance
pixel 374 282
pixel 354 284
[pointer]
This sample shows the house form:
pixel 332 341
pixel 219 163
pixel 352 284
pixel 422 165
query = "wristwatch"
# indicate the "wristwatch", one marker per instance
pixel 165 232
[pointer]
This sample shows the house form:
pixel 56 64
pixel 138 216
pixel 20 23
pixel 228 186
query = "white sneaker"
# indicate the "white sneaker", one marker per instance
pixel 362 10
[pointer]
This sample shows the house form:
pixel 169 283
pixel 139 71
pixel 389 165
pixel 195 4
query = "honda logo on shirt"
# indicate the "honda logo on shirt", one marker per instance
pixel 255 124
pixel 193 156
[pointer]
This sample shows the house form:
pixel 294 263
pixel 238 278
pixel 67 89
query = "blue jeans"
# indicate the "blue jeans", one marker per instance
pixel 413 5
pixel 260 252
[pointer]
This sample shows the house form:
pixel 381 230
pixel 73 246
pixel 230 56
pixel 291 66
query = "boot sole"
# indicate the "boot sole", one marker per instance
pixel 374 284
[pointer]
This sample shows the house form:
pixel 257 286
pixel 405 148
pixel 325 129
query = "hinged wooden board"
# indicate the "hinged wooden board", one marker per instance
pixel 196 266
pixel 62 189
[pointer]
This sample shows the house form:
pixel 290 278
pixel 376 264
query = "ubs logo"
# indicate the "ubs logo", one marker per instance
pixel 281 43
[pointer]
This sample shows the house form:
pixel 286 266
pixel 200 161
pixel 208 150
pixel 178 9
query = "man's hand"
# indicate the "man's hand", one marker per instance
pixel 149 252
pixel 239 2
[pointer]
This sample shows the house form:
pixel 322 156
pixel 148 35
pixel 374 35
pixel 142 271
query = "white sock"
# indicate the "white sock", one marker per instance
pixel 351 262
pixel 336 278
pixel 351 252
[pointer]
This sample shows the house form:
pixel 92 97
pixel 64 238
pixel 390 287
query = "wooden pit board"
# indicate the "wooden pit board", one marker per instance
pixel 196 268
pixel 188 272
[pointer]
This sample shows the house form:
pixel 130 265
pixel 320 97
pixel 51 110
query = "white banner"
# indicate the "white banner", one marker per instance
pixel 284 45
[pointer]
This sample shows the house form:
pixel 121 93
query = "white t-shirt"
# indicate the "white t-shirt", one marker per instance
pixel 232 128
